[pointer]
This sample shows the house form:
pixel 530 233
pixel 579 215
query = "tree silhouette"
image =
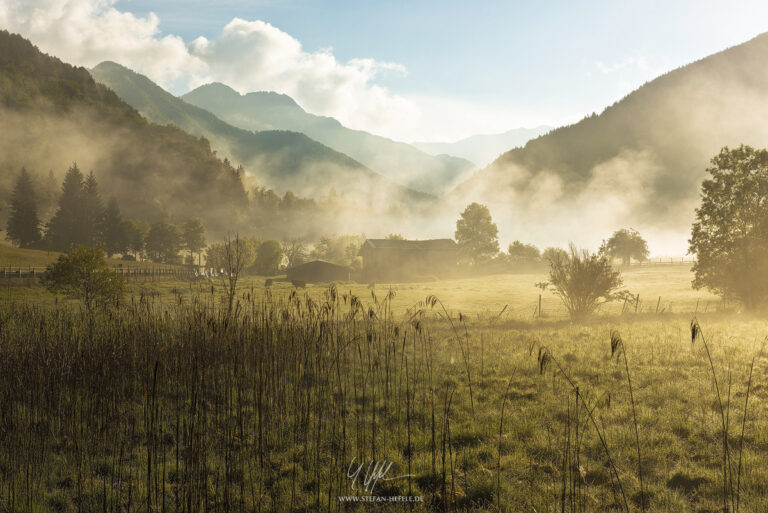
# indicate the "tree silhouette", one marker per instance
pixel 83 272
pixel 23 226
pixel 730 234
pixel 163 242
pixel 193 237
pixel 476 234
pixel 523 253
pixel 113 229
pixel 92 210
pixel 268 257
pixel 625 244
pixel 65 227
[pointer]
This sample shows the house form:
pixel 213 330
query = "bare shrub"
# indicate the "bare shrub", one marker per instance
pixel 584 281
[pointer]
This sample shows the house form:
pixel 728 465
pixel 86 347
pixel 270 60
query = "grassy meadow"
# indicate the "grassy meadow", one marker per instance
pixel 172 403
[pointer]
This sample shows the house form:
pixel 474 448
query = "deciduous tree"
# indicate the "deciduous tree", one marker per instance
pixel 83 273
pixel 730 234
pixel 476 234
pixel 625 244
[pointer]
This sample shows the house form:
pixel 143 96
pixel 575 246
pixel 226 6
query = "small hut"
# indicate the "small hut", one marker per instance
pixel 319 271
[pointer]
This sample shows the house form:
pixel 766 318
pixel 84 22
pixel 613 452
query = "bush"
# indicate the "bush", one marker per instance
pixel 83 273
pixel 584 281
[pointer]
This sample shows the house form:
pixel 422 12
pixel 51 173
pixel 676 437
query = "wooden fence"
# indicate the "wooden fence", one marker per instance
pixel 664 261
pixel 31 275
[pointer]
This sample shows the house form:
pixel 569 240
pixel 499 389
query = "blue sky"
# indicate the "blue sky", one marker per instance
pixel 411 70
pixel 562 59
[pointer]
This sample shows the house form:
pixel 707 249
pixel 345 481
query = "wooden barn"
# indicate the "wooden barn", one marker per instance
pixel 319 271
pixel 392 259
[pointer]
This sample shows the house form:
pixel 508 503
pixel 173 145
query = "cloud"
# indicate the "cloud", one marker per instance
pixel 247 55
pixel 86 32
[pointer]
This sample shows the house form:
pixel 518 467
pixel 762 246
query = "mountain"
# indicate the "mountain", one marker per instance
pixel 53 114
pixel 639 163
pixel 397 161
pixel 279 159
pixel 484 149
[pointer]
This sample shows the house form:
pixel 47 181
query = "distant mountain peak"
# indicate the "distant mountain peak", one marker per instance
pixel 279 159
pixel 273 98
pixel 398 161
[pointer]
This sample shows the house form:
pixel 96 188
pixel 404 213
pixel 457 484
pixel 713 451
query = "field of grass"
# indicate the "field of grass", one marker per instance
pixel 13 257
pixel 172 404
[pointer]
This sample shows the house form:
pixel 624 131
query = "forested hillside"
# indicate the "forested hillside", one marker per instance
pixel 395 160
pixel 54 114
pixel 643 158
pixel 279 159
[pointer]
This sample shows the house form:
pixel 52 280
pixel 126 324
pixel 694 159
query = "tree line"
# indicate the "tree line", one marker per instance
pixel 477 237
pixel 82 218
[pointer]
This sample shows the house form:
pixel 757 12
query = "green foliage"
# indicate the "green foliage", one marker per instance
pixel 66 226
pixel 193 236
pixel 83 273
pixel 523 253
pixel 135 236
pixel 245 247
pixel 476 234
pixel 92 210
pixel 23 227
pixel 339 249
pixel 550 254
pixel 163 242
pixel 583 281
pixel 114 230
pixel 625 244
pixel 395 236
pixel 268 257
pixel 730 234
pixel 148 168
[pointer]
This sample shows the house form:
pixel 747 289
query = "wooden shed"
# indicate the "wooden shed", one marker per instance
pixel 393 259
pixel 319 271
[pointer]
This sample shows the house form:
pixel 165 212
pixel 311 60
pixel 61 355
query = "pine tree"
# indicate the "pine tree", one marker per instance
pixel 92 210
pixel 113 230
pixel 23 226
pixel 48 195
pixel 65 227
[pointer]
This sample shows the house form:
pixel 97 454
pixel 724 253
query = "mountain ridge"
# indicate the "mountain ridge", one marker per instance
pixel 281 159
pixel 640 162
pixel 482 149
pixel 395 160
pixel 55 114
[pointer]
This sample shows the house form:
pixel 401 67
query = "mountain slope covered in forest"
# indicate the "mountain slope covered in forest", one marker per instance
pixel 640 162
pixel 279 159
pixel 397 161
pixel 54 114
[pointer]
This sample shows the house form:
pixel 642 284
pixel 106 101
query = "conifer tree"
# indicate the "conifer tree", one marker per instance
pixel 23 226
pixel 65 227
pixel 113 230
pixel 92 210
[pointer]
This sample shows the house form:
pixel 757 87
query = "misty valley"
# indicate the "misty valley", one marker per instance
pixel 217 296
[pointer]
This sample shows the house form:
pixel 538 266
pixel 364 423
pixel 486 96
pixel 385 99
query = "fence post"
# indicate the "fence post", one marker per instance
pixel 637 302
pixel 539 306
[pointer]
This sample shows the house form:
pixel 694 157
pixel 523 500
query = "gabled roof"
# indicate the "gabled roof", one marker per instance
pixel 318 264
pixel 410 245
